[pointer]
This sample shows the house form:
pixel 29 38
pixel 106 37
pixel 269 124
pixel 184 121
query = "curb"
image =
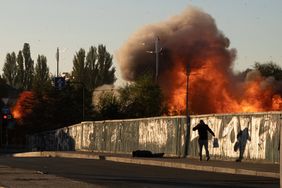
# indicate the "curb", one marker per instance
pixel 238 171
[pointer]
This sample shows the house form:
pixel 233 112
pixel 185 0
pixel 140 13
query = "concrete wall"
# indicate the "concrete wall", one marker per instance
pixel 168 135
pixel 261 133
pixel 162 134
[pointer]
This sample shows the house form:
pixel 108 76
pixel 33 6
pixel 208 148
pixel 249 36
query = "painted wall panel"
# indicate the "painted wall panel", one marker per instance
pixel 259 133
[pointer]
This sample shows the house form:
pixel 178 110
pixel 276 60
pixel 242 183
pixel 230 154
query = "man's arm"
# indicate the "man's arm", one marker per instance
pixel 196 127
pixel 211 131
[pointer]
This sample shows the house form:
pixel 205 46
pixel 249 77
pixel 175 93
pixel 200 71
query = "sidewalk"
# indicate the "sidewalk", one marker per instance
pixel 230 167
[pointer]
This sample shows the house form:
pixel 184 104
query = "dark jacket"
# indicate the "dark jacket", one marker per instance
pixel 203 131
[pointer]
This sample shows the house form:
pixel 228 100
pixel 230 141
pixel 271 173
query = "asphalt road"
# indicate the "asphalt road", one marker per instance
pixel 101 173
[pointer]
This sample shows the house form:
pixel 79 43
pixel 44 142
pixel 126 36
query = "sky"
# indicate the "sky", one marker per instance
pixel 253 27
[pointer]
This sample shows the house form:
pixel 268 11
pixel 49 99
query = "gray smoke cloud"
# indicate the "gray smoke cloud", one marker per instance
pixel 188 37
pixel 191 38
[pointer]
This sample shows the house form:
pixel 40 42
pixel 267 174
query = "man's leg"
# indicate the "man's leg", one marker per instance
pixel 201 148
pixel 205 142
pixel 241 152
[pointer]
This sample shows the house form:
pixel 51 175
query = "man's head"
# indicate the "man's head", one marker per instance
pixel 202 122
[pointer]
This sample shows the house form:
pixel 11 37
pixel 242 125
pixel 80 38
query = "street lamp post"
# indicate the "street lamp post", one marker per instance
pixel 187 111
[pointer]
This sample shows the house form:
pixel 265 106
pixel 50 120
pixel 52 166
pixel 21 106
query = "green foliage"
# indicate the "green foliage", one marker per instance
pixel 55 109
pixel 138 100
pixel 41 81
pixel 106 73
pixel 2 80
pixel 20 71
pixel 269 69
pixel 79 69
pixel 93 69
pixel 28 67
pixel 108 106
pixel 7 91
pixel 141 99
pixel 10 69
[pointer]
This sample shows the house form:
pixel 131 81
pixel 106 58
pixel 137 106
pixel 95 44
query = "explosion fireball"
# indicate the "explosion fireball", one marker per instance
pixel 193 38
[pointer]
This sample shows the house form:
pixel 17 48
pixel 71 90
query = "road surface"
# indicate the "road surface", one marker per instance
pixel 101 173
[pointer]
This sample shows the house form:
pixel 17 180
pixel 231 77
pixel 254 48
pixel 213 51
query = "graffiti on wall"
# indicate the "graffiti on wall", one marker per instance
pixel 153 133
pixel 241 136
pixel 249 136
pixel 64 141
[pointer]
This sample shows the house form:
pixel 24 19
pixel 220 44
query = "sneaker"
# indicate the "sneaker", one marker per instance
pixel 208 158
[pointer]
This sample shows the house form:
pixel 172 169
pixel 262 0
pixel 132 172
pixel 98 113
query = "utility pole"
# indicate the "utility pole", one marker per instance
pixel 83 102
pixel 157 56
pixel 156 51
pixel 280 153
pixel 57 58
pixel 187 90
pixel 187 111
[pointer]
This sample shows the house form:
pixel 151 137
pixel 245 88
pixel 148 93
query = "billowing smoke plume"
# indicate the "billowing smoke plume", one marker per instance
pixel 192 38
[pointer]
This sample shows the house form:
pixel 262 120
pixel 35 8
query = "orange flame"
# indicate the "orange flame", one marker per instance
pixel 276 102
pixel 177 101
pixel 211 91
pixel 23 105
pixel 192 38
pixel 16 114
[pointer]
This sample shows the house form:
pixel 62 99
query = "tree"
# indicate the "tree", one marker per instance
pixel 140 99
pixel 41 81
pixel 108 106
pixel 79 69
pixel 94 70
pixel 269 69
pixel 28 67
pixel 10 69
pixel 106 74
pixel 20 71
pixel 143 98
pixel 2 80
